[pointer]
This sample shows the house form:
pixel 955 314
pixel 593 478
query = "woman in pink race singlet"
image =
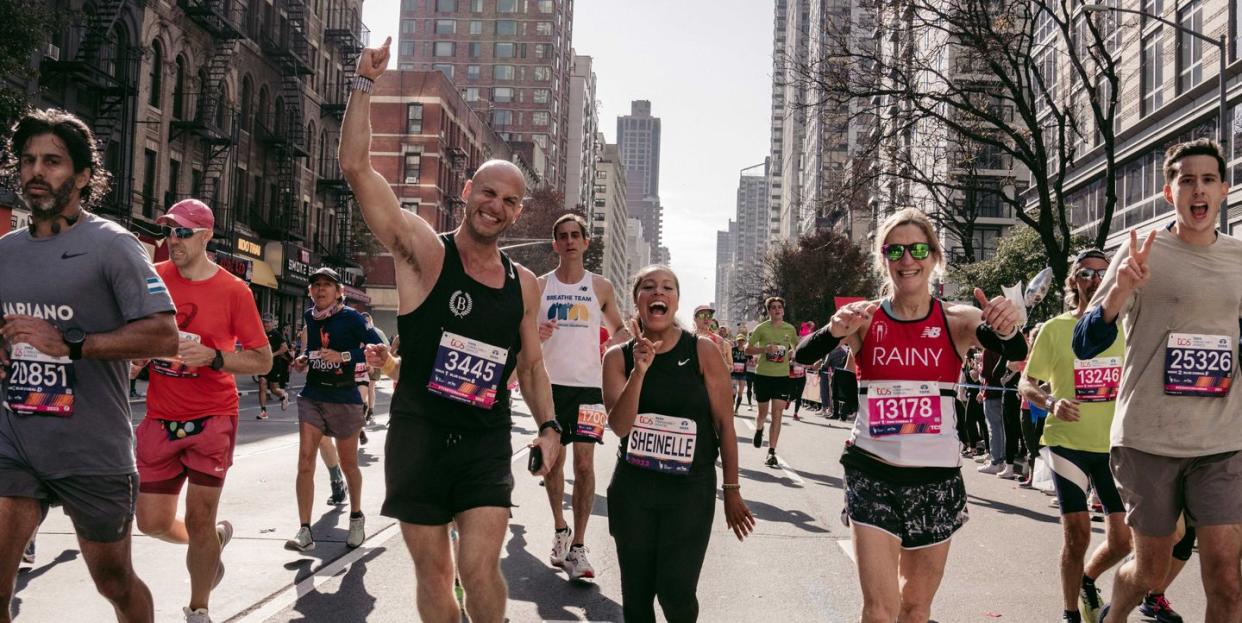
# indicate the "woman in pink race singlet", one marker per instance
pixel 904 492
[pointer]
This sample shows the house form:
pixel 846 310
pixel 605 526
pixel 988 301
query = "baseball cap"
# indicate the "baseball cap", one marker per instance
pixel 325 272
pixel 1089 253
pixel 704 308
pixel 189 213
pixel 268 317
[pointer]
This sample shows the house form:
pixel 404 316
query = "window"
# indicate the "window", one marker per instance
pixel 446 6
pixel 179 89
pixel 407 49
pixel 148 183
pixel 1153 71
pixel 157 75
pixel 502 72
pixel 541 96
pixel 542 50
pixel 506 6
pixel 174 175
pixel 539 118
pixel 472 72
pixel 409 5
pixel 505 50
pixel 475 49
pixel 543 74
pixel 413 163
pixel 545 6
pixel 541 140
pixel 506 27
pixel 502 117
pixel 447 70
pixel 543 29
pixel 476 27
pixel 476 6
pixel 471 94
pixel 444 49
pixel 502 94
pixel 247 106
pixel 1189 49
pixel 446 27
pixel 408 26
pixel 413 118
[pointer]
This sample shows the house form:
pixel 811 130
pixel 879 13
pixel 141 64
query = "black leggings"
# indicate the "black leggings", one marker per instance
pixel 1032 432
pixel 660 549
pixel 750 385
pixel 1011 416
pixel 844 393
pixel 797 386
pixel 976 424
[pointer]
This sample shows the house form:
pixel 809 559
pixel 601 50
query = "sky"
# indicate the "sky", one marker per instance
pixel 706 67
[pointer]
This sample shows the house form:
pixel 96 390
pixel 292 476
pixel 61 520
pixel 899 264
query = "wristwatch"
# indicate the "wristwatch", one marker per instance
pixel 552 424
pixel 345 356
pixel 74 339
pixel 363 83
pixel 217 363
pixel 1052 406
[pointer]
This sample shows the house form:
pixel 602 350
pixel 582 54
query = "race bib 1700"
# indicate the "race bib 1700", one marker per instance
pixel 903 408
pixel 39 384
pixel 1198 365
pixel 662 443
pixel 591 421
pixel 468 371
pixel 1097 380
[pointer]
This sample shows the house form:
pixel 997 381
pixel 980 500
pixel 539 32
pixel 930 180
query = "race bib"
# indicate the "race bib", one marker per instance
pixel 1097 380
pixel 39 384
pixel 903 408
pixel 739 367
pixel 173 366
pixel 1198 365
pixel 360 373
pixel 778 356
pixel 467 370
pixel 662 443
pixel 591 422
pixel 797 371
pixel 752 365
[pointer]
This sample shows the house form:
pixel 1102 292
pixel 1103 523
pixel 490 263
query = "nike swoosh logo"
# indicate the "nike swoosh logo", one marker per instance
pixel 66 255
pixel 683 362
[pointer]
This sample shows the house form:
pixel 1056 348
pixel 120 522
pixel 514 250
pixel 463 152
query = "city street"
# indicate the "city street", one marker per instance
pixel 795 567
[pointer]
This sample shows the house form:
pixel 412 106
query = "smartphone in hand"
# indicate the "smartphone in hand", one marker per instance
pixel 535 463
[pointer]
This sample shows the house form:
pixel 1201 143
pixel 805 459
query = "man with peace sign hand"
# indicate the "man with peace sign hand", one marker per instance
pixel 1175 438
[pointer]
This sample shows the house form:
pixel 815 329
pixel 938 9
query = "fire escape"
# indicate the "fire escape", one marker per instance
pixel 349 35
pixel 288 47
pixel 104 74
pixel 215 124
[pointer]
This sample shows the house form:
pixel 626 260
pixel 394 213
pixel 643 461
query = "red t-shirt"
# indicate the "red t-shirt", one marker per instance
pixel 220 312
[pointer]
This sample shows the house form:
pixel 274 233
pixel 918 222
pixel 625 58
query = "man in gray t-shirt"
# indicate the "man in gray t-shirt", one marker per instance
pixel 79 297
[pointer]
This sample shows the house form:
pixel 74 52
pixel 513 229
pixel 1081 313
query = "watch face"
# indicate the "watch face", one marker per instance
pixel 74 335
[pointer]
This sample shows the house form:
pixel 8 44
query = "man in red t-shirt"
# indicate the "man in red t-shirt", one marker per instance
pixel 191 424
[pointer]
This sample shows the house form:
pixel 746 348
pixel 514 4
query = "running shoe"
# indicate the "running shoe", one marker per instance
pixel 302 542
pixel 1103 614
pixel 1090 602
pixel 759 438
pixel 262 414
pixel 369 418
pixel 560 547
pixel 338 493
pixel 224 531
pixel 1159 608
pixel 284 402
pixel 362 438
pixel 990 468
pixel 577 565
pixel 357 532
pixel 772 462
pixel 196 616
pixel 983 458
pixel 797 418
pixel 28 556
pixel 1007 473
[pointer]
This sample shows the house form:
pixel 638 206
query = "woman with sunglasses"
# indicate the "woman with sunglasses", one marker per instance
pixel 905 497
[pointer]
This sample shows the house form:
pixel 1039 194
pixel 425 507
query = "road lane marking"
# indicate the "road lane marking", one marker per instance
pixel 782 463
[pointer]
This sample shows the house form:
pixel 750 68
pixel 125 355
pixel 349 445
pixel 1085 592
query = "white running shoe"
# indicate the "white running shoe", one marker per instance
pixel 577 565
pixel 196 616
pixel 1008 472
pixel 357 532
pixel 302 542
pixel 560 547
pixel 224 531
pixel 990 468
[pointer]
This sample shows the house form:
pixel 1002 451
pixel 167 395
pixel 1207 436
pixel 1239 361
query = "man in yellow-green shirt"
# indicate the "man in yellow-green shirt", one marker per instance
pixel 772 342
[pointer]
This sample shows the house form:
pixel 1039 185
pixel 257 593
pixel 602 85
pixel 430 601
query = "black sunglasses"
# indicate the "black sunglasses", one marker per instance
pixel 180 233
pixel 1087 273
pixel 703 314
pixel 918 251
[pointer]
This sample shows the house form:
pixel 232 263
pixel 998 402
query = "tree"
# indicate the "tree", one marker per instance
pixel 1033 81
pixel 25 25
pixel 526 238
pixel 809 274
pixel 1019 257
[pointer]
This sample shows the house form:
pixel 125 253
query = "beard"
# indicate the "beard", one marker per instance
pixel 48 207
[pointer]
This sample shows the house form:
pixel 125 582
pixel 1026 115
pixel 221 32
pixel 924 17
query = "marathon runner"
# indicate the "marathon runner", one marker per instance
pixel 738 372
pixel 705 325
pixel 904 492
pixel 573 305
pixel 771 342
pixel 79 297
pixel 330 405
pixel 1080 404
pixel 468 316
pixel 373 374
pixel 1175 438
pixel 667 393
pixel 277 379
pixel 190 429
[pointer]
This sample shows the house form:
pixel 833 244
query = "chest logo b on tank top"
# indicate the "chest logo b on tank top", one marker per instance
pixel 460 304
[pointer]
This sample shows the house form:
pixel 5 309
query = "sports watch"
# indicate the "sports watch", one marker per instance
pixel 74 339
pixel 217 363
pixel 552 424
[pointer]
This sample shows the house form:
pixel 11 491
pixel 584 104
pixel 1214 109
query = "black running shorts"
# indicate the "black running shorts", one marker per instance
pixel 772 388
pixel 919 515
pixel 576 423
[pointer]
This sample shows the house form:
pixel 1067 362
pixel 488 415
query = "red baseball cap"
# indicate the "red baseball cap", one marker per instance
pixel 189 213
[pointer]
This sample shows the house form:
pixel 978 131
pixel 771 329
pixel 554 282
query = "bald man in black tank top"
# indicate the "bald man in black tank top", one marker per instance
pixel 467 319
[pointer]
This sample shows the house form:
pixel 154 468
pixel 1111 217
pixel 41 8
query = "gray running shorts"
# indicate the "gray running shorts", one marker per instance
pixel 334 419
pixel 1157 489
pixel 100 507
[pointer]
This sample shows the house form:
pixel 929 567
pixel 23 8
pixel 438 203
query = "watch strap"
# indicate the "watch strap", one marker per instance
pixel 217 363
pixel 75 350
pixel 363 83
pixel 553 424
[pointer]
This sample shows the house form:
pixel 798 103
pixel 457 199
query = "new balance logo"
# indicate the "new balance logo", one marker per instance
pixel 930 332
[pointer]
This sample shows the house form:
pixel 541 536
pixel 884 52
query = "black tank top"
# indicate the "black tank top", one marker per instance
pixel 461 306
pixel 673 386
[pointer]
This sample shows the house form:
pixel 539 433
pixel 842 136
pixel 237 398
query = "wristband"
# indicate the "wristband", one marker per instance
pixel 363 83
pixel 731 485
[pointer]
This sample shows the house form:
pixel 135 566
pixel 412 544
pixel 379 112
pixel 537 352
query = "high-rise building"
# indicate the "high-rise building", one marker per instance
pixel 510 58
pixel 776 151
pixel 725 250
pixel 638 137
pixel 609 218
pixel 583 131
pixel 638 254
pixel 750 245
pixel 786 203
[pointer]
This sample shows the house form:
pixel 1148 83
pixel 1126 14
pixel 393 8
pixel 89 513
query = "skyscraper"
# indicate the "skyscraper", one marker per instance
pixel 583 128
pixel 638 137
pixel 510 58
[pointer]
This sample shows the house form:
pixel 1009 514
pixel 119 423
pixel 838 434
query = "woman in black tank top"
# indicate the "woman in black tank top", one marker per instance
pixel 667 395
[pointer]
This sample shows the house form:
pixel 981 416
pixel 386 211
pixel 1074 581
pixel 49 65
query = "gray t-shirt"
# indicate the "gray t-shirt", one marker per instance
pixel 1193 290
pixel 96 277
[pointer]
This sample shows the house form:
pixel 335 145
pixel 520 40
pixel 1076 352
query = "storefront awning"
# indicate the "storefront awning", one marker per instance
pixel 263 275
pixel 354 295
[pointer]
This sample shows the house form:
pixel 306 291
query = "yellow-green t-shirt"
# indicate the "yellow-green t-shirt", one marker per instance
pixel 784 336
pixel 1052 359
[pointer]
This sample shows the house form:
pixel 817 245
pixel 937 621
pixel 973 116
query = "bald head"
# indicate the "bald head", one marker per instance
pixel 500 170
